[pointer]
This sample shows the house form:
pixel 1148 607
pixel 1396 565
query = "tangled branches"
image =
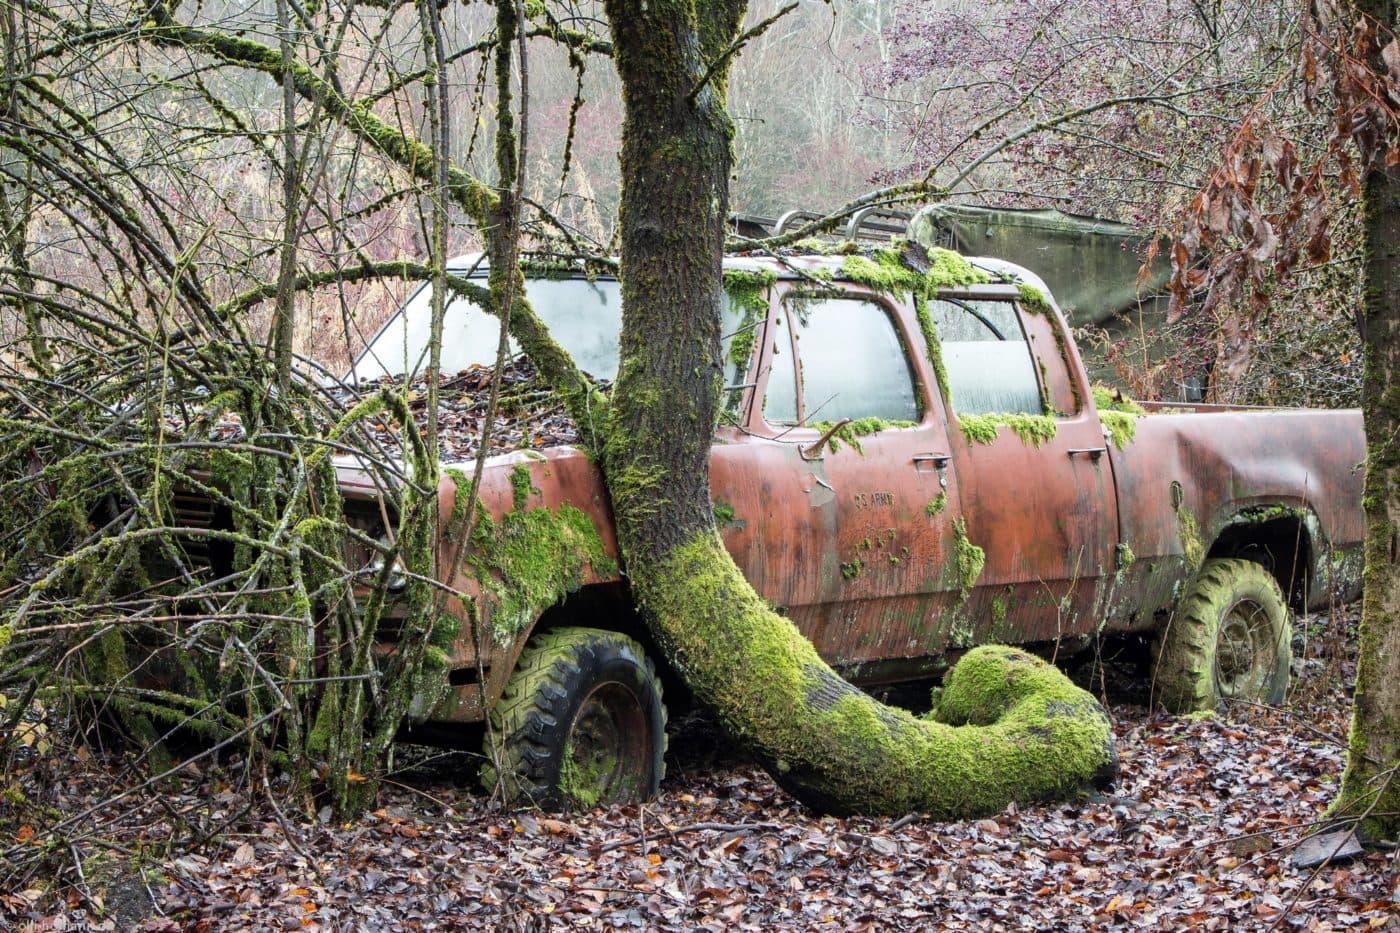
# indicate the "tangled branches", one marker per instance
pixel 178 559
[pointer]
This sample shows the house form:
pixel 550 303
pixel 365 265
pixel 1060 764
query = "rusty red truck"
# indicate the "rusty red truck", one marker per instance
pixel 912 462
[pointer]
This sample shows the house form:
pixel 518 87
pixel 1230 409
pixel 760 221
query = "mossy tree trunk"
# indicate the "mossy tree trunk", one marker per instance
pixel 1011 728
pixel 1370 785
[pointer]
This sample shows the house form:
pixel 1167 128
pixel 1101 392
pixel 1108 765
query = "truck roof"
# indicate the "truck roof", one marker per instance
pixel 793 265
pixel 594 311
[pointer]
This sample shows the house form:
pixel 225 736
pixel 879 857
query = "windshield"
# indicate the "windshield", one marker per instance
pixel 583 316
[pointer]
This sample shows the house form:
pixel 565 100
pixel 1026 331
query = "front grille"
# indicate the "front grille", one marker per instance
pixel 195 511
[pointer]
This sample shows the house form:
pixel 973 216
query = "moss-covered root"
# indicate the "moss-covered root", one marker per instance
pixel 1009 727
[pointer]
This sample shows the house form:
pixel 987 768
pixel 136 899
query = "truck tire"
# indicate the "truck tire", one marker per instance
pixel 580 724
pixel 1230 640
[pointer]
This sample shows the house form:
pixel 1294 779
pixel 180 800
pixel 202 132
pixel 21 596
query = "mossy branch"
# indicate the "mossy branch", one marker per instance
pixel 472 195
pixel 721 62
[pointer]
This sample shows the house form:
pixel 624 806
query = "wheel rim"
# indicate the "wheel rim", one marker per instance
pixel 605 760
pixel 1244 652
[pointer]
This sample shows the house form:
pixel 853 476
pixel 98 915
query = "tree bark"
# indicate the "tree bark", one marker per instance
pixel 1370 788
pixel 1012 727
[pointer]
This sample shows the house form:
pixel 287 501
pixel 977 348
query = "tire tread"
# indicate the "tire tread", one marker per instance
pixel 536 700
pixel 1184 677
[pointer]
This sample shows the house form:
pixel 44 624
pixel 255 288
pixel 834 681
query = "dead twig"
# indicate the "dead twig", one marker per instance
pixel 672 832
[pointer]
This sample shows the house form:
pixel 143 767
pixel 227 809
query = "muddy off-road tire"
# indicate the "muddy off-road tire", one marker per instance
pixel 581 724
pixel 1229 641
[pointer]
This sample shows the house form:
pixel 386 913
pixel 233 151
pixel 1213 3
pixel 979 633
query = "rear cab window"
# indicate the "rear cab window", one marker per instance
pixel 1002 358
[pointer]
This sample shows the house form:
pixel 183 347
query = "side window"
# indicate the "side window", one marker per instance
pixel 853 365
pixel 985 354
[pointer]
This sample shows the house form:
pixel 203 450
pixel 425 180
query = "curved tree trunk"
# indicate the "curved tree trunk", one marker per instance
pixel 1014 728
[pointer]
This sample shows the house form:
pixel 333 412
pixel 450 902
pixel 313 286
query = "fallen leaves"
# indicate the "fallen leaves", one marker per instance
pixel 1195 836
pixel 529 416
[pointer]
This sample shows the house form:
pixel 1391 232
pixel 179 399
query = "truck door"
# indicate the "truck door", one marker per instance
pixel 1036 488
pixel 853 536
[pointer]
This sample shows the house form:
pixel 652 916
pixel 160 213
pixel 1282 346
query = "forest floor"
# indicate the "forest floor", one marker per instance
pixel 1199 833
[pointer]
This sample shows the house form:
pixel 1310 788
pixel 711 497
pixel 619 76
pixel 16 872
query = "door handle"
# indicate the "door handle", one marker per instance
pixel 940 463
pixel 1093 453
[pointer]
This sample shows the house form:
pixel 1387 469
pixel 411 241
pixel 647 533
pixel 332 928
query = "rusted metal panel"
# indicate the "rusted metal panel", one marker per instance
pixel 846 540
pixel 1205 468
pixel 1045 515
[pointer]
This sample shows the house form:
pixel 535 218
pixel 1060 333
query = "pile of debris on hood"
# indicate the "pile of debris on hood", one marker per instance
pixel 529 415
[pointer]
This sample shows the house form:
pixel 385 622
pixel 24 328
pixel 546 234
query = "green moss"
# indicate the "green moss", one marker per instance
pixel 936 505
pixel 851 569
pixel 460 499
pixel 231 473
pixel 1035 734
pixel 1123 557
pixel 933 346
pixel 370 407
pixel 748 291
pixel 1031 429
pixel 1190 534
pixel 815 246
pixel 948 269
pixel 724 515
pixel 520 485
pixel 1001 602
pixel 530 560
pixel 854 430
pixel 741 346
pixel 970 558
pixel 582 783
pixel 7 632
pixel 1047 407
pixel 1120 426
pixel 1118 413
pixel 1033 299
pixel 445 630
pixel 635 488
pixel 978 429
pixel 1107 399
pixel 1267 513
pixel 884 271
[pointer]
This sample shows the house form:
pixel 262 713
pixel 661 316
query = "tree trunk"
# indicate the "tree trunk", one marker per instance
pixel 1369 785
pixel 1012 727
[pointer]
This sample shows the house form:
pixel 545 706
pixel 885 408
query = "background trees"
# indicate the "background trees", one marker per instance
pixel 1267 207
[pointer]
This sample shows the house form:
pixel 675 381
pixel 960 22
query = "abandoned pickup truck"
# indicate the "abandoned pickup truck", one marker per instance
pixel 911 463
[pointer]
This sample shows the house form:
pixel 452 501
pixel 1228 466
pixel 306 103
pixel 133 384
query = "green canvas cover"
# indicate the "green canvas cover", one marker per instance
pixel 1091 265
